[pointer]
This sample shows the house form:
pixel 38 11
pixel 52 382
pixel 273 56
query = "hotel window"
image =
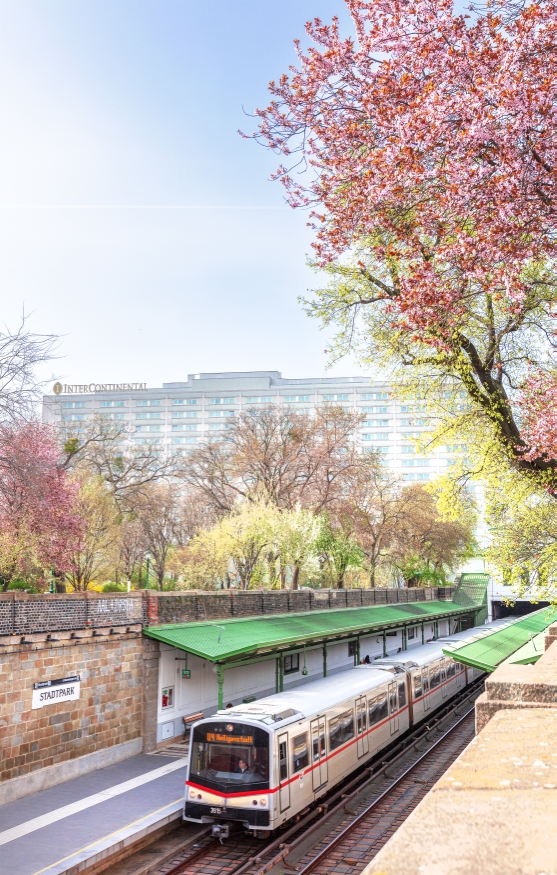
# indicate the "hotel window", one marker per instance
pixel 154 428
pixel 375 423
pixel 184 400
pixel 422 476
pixel 414 422
pixel 407 449
pixel 221 413
pixel 379 436
pixel 191 440
pixel 148 403
pixel 422 463
pixel 68 404
pixel 262 399
pixel 408 463
pixel 411 408
pixel 375 396
pixel 75 416
pixel 374 409
pixel 335 397
pixel 408 476
pixel 113 415
pixel 222 401
pixel 290 399
pixel 113 403
pixel 380 450
pixel 148 415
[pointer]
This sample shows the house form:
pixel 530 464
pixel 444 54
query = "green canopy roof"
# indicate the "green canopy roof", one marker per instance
pixel 529 653
pixel 491 650
pixel 225 640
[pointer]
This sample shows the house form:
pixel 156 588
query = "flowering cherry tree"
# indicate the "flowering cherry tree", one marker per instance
pixel 38 518
pixel 429 143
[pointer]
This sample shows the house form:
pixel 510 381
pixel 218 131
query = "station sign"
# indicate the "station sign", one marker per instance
pixel 59 690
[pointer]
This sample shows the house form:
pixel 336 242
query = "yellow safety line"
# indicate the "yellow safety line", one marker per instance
pixel 92 845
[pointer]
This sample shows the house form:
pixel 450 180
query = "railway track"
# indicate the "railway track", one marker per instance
pixel 343 831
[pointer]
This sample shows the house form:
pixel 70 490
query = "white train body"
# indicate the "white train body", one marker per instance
pixel 262 763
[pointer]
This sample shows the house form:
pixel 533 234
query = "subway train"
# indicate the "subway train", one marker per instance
pixel 260 764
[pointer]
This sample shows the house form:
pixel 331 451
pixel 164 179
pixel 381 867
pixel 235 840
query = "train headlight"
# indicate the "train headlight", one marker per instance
pixel 192 794
pixel 263 801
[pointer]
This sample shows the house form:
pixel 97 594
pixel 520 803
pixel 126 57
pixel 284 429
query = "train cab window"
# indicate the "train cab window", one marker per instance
pixel 341 729
pixel 377 708
pixel 224 756
pixel 417 685
pixel 401 694
pixel 425 679
pixel 451 669
pixel 300 757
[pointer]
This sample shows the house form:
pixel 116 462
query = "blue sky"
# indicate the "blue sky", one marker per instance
pixel 134 221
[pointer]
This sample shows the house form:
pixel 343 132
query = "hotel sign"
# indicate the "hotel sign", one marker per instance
pixel 60 389
pixel 60 690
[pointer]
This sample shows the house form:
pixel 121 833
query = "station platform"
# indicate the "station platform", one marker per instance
pixel 72 827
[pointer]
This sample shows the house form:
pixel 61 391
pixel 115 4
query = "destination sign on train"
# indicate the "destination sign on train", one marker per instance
pixel 231 739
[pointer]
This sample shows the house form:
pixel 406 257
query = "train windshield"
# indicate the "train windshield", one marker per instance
pixel 231 757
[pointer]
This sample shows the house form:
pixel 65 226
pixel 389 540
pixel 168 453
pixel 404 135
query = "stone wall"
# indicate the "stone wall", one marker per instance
pixel 109 711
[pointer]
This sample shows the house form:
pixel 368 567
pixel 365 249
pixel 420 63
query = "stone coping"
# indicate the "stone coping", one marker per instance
pixel 493 812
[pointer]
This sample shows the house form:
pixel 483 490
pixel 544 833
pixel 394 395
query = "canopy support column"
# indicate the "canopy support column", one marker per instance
pixel 436 630
pixel 324 659
pixel 423 634
pixel 220 681
pixel 404 638
pixel 384 643
pixel 281 672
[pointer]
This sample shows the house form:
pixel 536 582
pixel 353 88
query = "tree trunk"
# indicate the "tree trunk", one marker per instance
pixel 295 576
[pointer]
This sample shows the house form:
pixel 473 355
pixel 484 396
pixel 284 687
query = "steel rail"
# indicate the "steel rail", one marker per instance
pixel 363 814
pixel 328 812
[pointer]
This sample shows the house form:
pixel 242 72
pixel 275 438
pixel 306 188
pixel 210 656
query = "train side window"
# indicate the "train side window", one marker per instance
pixel 283 765
pixel 435 676
pixel 300 752
pixel 341 729
pixel 383 706
pixel 392 701
pixel 451 669
pixel 401 694
pixel 417 685
pixel 425 679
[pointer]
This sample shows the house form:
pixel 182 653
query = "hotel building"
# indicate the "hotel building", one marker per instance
pixel 178 416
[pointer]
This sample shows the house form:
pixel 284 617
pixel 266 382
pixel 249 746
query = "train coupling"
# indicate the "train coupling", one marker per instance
pixel 220 831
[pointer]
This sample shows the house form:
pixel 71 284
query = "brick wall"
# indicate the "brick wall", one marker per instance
pixel 183 607
pixel 22 614
pixel 108 712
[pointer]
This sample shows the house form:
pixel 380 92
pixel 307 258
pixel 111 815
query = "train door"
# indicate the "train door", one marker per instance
pixel 393 707
pixel 425 687
pixel 443 679
pixel 318 753
pixel 362 743
pixel 284 788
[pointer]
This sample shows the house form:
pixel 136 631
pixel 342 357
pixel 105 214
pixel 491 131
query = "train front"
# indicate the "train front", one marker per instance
pixel 228 776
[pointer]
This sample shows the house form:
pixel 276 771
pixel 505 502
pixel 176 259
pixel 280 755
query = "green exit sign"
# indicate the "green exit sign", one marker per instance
pixel 186 673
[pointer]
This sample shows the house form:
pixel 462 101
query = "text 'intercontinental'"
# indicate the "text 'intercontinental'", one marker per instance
pixel 60 389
